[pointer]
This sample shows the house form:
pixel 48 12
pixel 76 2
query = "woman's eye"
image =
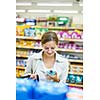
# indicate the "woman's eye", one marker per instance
pixel 52 48
pixel 46 48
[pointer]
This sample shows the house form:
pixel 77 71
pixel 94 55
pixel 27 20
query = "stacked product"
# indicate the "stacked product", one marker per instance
pixel 74 94
pixel 27 89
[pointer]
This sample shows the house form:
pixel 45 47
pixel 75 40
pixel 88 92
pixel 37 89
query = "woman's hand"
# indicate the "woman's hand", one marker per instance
pixel 33 76
pixel 53 77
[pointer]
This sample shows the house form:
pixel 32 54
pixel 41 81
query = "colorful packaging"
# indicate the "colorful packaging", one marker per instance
pixel 72 78
pixel 30 21
pixel 28 89
pixel 50 91
pixel 63 21
pixel 74 94
pixel 24 89
pixel 20 30
pixel 40 31
pixel 79 79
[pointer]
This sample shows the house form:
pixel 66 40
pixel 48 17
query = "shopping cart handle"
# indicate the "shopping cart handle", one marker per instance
pixel 28 76
pixel 25 76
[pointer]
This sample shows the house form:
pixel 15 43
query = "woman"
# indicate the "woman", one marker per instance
pixel 48 60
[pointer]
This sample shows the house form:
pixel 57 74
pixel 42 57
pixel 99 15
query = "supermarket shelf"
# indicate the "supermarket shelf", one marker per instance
pixel 69 50
pixel 22 56
pixel 76 85
pixel 20 67
pixel 72 28
pixel 69 39
pixel 76 65
pixel 27 47
pixel 61 39
pixel 58 49
pixel 28 38
pixel 75 73
pixel 70 60
pixel 78 61
pixel 59 28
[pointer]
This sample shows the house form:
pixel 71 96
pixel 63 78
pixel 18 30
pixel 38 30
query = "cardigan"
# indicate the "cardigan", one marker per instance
pixel 35 65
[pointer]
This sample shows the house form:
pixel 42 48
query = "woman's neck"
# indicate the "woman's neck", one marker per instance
pixel 48 61
pixel 45 57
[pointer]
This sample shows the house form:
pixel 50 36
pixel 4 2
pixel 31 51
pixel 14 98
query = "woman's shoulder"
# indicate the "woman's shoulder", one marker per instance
pixel 36 55
pixel 61 58
pixel 64 61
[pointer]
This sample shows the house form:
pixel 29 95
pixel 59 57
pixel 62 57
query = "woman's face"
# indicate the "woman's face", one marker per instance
pixel 49 48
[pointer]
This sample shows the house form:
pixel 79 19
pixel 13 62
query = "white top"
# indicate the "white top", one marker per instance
pixel 36 65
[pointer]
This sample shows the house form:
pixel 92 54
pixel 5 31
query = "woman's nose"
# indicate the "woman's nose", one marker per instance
pixel 50 50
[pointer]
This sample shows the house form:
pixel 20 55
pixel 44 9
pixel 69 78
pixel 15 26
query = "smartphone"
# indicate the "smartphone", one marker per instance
pixel 50 73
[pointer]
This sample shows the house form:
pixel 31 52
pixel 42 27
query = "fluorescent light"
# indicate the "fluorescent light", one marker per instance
pixel 39 11
pixel 82 12
pixel 80 4
pixel 54 4
pixel 63 18
pixel 20 10
pixel 65 11
pixel 23 4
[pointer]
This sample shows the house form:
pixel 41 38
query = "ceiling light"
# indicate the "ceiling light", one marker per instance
pixel 20 10
pixel 23 4
pixel 54 4
pixel 39 11
pixel 80 4
pixel 82 12
pixel 65 11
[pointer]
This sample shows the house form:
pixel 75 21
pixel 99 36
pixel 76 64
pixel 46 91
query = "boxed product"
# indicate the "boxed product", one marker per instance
pixel 62 21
